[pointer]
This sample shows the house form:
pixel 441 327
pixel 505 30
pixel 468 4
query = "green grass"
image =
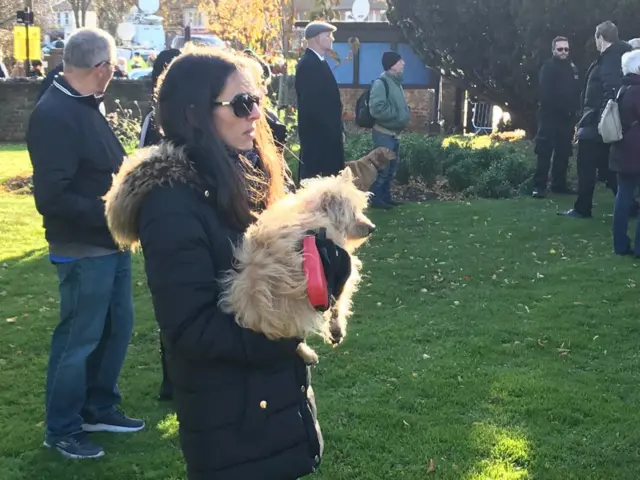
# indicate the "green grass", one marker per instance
pixel 493 337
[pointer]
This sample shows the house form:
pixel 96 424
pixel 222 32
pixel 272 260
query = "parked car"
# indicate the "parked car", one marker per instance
pixel 139 73
pixel 209 40
pixel 127 52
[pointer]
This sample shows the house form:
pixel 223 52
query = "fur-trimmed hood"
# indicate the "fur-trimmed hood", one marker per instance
pixel 150 167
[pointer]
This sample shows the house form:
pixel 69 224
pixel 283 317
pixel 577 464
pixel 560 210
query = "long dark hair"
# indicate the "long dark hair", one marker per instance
pixel 186 94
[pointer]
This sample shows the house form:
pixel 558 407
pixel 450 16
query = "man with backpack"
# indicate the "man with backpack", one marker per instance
pixel 390 114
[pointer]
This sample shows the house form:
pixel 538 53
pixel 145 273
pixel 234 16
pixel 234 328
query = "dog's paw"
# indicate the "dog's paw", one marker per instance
pixel 336 335
pixel 307 354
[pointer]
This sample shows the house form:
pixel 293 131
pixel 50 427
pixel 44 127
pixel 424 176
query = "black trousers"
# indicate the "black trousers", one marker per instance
pixel 166 387
pixel 593 156
pixel 553 140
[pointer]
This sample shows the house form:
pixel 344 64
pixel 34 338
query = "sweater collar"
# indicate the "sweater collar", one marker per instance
pixel 63 85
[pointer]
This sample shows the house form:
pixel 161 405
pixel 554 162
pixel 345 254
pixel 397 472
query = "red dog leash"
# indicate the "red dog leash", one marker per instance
pixel 327 268
pixel 317 289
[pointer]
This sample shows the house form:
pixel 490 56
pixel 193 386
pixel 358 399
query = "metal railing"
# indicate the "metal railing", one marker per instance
pixel 481 120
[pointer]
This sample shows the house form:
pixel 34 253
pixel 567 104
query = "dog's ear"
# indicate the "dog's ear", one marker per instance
pixel 329 202
pixel 347 174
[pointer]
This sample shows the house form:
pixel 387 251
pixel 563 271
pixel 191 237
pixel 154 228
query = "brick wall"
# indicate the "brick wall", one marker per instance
pixel 18 97
pixel 420 101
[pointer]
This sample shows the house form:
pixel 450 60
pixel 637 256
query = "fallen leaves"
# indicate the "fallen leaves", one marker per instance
pixel 432 466
pixel 564 351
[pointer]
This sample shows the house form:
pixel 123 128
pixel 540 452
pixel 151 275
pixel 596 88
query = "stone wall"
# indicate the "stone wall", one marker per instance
pixel 18 97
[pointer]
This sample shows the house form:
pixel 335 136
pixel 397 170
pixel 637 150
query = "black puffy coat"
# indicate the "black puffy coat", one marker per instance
pixel 603 80
pixel 244 403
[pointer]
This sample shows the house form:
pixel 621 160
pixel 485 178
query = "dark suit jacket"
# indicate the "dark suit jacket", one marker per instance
pixel 319 118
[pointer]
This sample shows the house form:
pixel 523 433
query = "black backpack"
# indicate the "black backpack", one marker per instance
pixel 364 118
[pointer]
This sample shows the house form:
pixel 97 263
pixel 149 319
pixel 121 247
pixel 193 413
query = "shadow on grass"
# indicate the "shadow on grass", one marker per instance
pixel 492 337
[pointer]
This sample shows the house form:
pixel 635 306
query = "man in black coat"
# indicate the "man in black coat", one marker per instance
pixel 559 103
pixel 319 107
pixel 48 79
pixel 603 80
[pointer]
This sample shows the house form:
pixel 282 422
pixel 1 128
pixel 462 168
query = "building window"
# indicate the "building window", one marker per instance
pixel 64 19
pixel 194 18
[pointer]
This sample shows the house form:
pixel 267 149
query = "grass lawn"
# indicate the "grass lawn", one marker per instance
pixel 492 337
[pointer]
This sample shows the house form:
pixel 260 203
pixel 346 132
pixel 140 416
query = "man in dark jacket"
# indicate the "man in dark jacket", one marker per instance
pixel 559 104
pixel 74 154
pixel 603 80
pixel 48 79
pixel 319 107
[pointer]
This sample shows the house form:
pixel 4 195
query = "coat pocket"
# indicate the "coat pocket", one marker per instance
pixel 267 394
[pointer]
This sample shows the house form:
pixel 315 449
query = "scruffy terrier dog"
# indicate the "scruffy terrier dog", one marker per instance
pixel 365 170
pixel 267 289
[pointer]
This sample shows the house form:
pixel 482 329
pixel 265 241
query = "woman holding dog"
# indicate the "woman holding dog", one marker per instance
pixel 244 402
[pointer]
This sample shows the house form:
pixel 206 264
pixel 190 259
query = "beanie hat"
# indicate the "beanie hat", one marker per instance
pixel 389 59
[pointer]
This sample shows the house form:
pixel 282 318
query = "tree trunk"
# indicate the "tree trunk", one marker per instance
pixel 75 6
pixel 85 5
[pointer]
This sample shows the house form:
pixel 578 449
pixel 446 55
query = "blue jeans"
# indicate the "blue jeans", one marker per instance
pixel 381 188
pixel 625 200
pixel 90 342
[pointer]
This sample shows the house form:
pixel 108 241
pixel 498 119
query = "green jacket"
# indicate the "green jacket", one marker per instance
pixel 390 112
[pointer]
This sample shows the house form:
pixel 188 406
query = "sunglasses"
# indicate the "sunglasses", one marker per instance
pixel 242 104
pixel 562 49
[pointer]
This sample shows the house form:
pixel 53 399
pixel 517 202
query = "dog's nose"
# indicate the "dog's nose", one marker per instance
pixel 372 228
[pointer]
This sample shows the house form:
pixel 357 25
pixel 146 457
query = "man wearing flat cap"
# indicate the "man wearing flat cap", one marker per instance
pixel 319 106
